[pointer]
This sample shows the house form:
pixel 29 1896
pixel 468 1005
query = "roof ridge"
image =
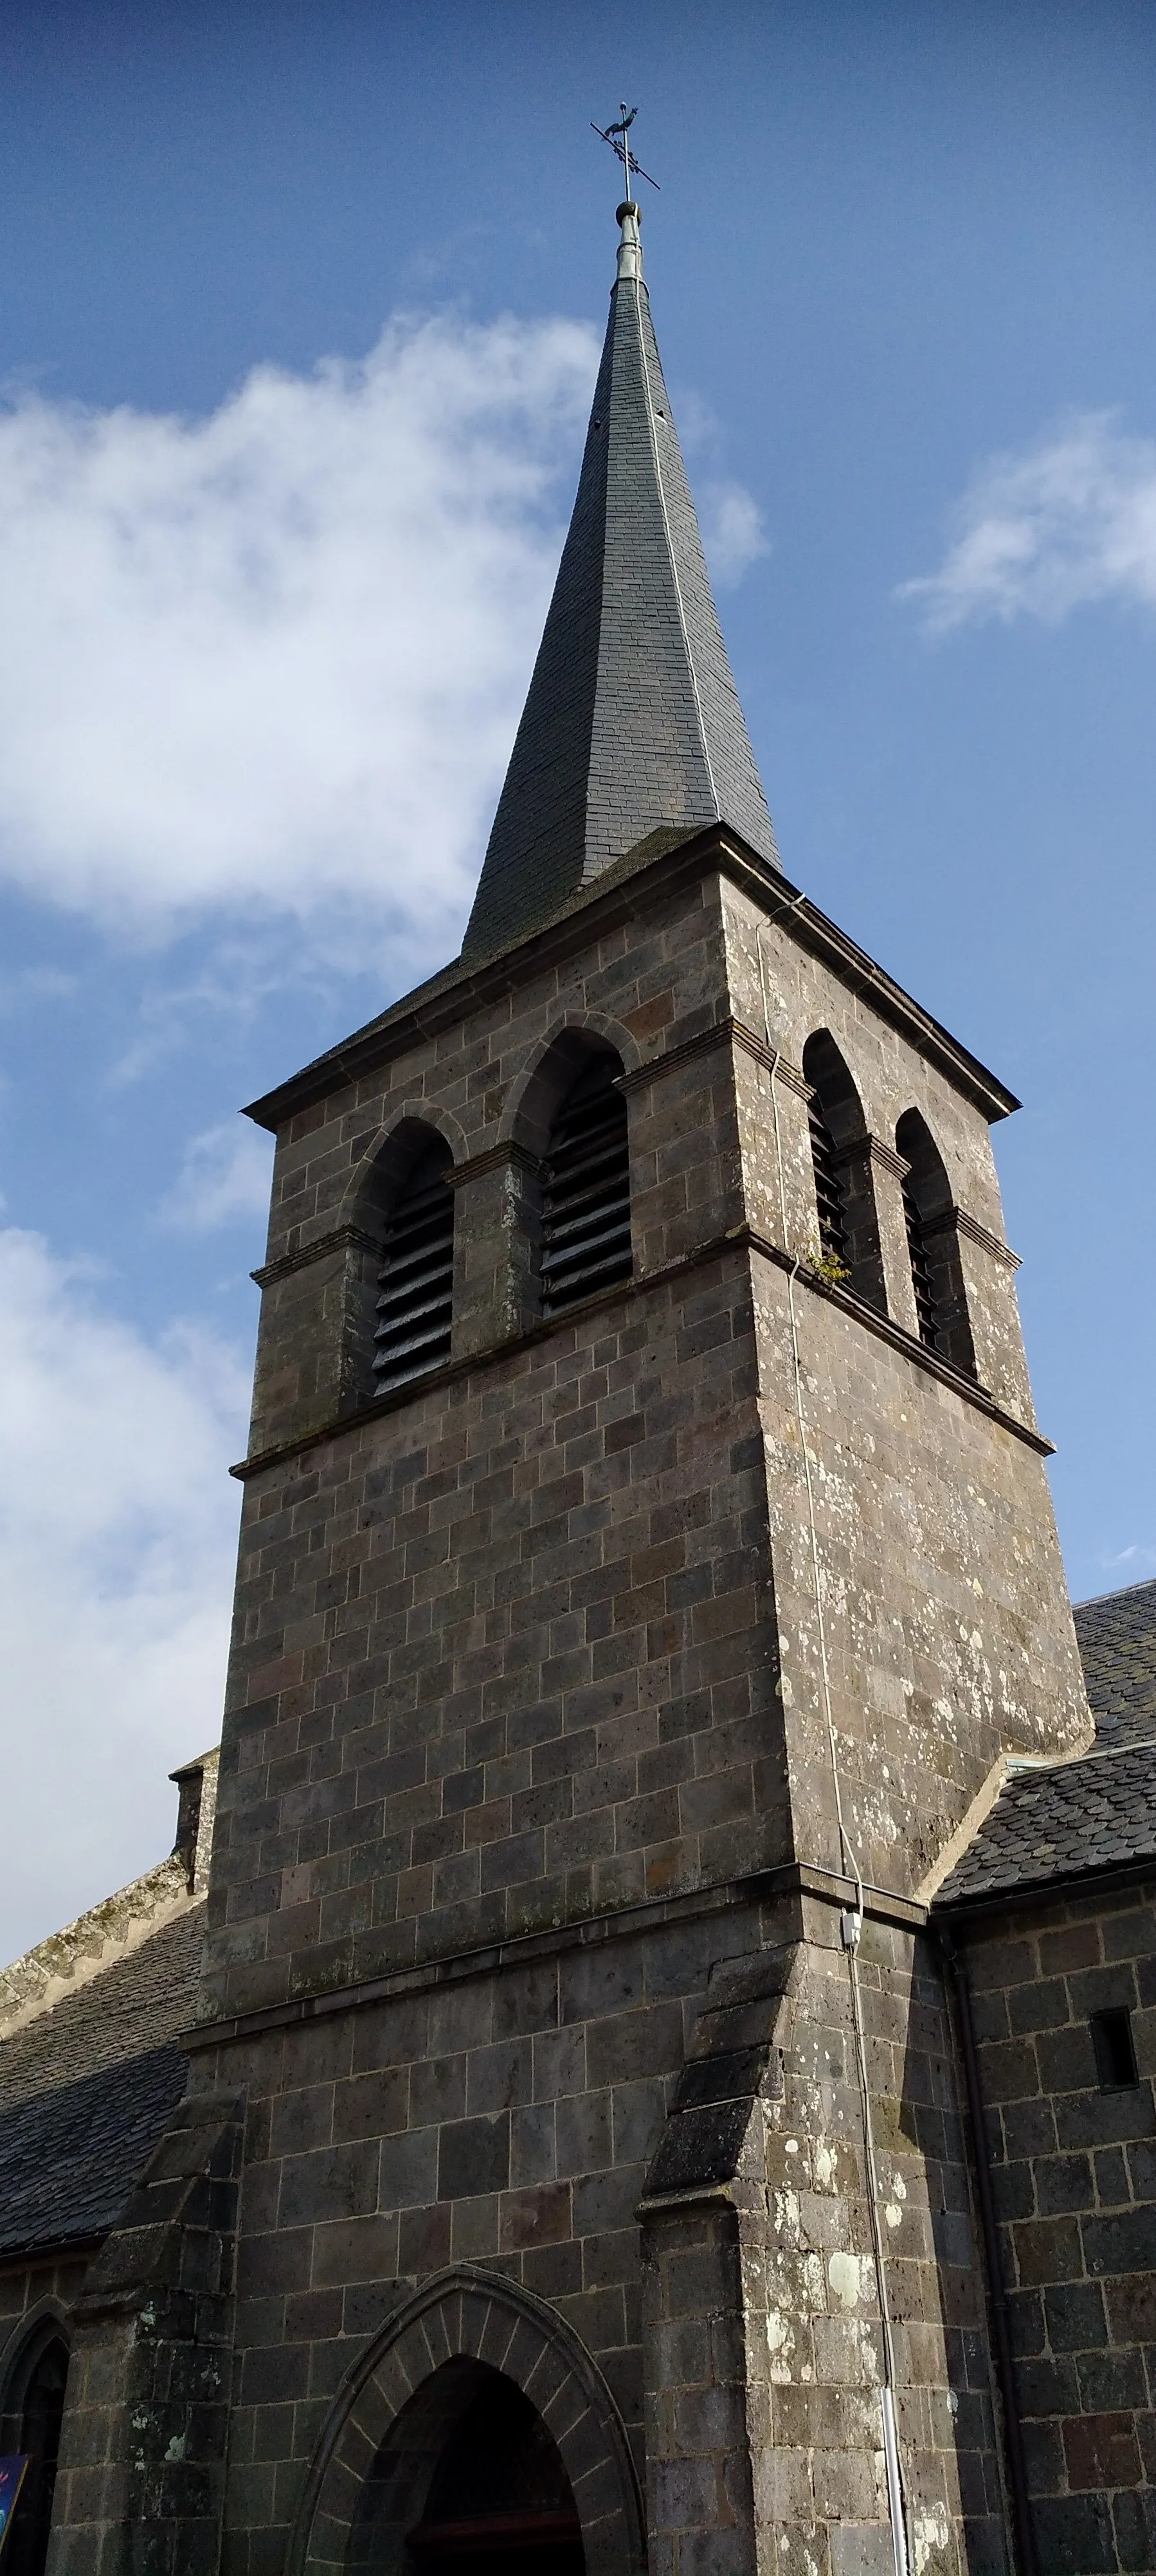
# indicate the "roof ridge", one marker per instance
pixel 670 546
pixel 106 1932
pixel 69 1959
pixel 1121 1593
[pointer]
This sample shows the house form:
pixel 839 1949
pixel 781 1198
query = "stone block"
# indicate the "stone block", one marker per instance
pixel 1102 2452
pixel 1075 2316
pixel 473 2157
pixel 1124 2242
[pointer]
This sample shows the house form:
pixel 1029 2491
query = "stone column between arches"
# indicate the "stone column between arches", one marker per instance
pixel 470 2314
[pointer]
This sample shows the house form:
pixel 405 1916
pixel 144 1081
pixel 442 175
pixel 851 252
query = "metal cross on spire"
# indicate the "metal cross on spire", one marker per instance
pixel 615 136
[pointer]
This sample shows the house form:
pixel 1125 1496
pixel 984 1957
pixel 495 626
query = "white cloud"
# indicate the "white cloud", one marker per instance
pixel 117 1540
pixel 224 1179
pixel 733 535
pixel 275 657
pixel 1138 1560
pixel 1068 521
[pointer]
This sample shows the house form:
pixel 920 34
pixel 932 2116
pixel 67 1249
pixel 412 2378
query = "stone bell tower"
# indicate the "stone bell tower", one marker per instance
pixel 647 1565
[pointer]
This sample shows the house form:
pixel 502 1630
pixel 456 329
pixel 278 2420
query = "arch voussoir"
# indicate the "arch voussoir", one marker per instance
pixel 497 2337
pixel 467 2315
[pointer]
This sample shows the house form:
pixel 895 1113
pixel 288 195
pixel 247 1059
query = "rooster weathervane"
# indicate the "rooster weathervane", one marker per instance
pixel 615 136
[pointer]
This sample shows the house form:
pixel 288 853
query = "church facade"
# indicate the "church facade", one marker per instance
pixel 642 2099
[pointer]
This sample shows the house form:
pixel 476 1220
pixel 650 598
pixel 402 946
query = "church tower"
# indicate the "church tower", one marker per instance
pixel 647 1568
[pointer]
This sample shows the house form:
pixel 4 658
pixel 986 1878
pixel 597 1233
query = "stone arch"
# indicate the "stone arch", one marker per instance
pixel 535 1092
pixel 933 1245
pixel 469 2315
pixel 19 2351
pixel 22 2350
pixel 384 1167
pixel 34 2370
pixel 412 1128
pixel 844 1183
pixel 830 1075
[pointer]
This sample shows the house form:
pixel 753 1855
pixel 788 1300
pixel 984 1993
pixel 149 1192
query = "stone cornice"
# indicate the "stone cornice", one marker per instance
pixel 787 1878
pixel 987 1241
pixel 743 1238
pixel 875 1150
pixel 496 1158
pixel 721 1033
pixel 338 1238
pixel 43 2249
pixel 886 1330
pixel 957 1220
pixel 624 891
pixel 777 1065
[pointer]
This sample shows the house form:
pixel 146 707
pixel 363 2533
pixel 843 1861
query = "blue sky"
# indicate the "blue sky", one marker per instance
pixel 298 309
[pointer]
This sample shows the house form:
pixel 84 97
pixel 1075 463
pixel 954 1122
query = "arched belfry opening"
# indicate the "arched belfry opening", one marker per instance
pixel 469 2482
pixel 848 1228
pixel 585 1190
pixel 31 2424
pixel 414 1309
pixel 933 1246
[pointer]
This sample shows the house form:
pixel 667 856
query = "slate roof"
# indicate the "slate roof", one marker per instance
pixel 632 725
pixel 1098 1812
pixel 86 2087
pixel 1117 1639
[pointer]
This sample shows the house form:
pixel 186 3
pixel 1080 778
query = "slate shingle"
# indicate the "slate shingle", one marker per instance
pixel 86 2088
pixel 632 724
pixel 1117 1638
pixel 1100 1810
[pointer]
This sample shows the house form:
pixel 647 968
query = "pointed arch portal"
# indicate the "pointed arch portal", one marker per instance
pixel 33 2409
pixel 477 2434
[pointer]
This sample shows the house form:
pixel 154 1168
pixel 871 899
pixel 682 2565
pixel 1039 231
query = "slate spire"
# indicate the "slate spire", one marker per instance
pixel 633 723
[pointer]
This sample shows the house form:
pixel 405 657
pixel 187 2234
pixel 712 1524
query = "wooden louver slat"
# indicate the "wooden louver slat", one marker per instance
pixel 586 1195
pixel 926 1301
pixel 828 1195
pixel 414 1307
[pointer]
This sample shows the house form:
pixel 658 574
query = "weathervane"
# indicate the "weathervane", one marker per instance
pixel 615 136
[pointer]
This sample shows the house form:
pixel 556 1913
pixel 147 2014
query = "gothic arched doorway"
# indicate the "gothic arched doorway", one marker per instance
pixel 475 2436
pixel 470 2482
pixel 37 2407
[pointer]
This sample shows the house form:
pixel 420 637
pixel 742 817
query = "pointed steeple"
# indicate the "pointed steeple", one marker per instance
pixel 633 723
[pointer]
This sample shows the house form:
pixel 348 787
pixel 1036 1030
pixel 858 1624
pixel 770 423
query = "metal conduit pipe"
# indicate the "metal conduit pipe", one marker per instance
pixel 1024 2539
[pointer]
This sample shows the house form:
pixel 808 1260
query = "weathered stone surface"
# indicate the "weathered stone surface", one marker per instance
pixel 141 2476
pixel 509 1651
pixel 602 1709
pixel 1074 2167
pixel 528 1699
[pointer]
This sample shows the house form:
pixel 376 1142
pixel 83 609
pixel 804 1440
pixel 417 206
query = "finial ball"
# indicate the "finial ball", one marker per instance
pixel 628 209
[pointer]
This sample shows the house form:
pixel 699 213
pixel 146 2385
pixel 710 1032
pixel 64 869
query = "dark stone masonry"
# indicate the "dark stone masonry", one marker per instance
pixel 669 2076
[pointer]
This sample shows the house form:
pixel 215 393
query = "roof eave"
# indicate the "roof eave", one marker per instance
pixel 1060 1888
pixel 42 2249
pixel 619 891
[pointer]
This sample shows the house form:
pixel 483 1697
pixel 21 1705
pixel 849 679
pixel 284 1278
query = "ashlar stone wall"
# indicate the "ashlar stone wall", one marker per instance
pixel 542 1675
pixel 1074 2169
pixel 471 1626
pixel 657 2131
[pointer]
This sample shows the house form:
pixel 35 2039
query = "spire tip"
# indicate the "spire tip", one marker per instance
pixel 630 247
